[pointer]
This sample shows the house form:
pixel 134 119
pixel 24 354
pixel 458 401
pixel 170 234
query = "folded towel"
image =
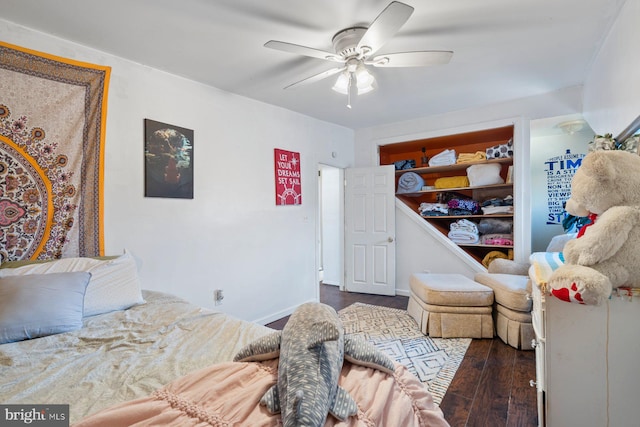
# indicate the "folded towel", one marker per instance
pixel 410 182
pixel 444 158
pixel 478 156
pixel 451 182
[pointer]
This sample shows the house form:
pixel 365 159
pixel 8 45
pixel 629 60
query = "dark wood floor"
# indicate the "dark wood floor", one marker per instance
pixel 491 387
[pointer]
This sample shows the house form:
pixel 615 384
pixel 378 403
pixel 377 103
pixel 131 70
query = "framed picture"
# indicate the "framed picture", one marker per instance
pixel 168 160
pixel 288 185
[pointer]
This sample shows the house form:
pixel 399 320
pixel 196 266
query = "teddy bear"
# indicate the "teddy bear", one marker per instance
pixel 606 253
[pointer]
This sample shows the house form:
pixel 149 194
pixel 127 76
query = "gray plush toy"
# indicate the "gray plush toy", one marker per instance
pixel 312 347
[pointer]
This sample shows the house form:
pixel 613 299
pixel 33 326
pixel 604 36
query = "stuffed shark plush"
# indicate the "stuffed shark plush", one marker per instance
pixel 312 347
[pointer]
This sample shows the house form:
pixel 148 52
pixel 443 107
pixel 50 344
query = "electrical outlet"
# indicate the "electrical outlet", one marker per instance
pixel 218 296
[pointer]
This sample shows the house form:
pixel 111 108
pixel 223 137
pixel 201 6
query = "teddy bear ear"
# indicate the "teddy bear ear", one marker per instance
pixel 600 164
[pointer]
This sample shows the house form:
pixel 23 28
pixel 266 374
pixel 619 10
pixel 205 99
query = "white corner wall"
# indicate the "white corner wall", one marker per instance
pixel 231 236
pixel 612 87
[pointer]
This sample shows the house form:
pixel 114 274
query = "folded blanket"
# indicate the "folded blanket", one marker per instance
pixel 478 156
pixel 500 150
pixel 463 207
pixel 433 209
pixel 464 225
pixel 451 182
pixel 444 158
pixel 497 239
pixel 410 182
pixel 493 210
pixel 543 264
pixel 495 225
pixel 463 236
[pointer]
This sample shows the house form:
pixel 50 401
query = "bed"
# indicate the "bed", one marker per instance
pixel 154 361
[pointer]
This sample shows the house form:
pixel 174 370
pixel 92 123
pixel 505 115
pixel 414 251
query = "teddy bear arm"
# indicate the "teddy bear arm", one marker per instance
pixel 603 239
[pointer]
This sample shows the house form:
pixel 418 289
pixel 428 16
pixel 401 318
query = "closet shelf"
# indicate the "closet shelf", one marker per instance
pixel 480 245
pixel 444 190
pixel 454 167
pixel 436 217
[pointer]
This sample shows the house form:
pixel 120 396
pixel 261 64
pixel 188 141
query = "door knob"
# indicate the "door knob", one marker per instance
pixel 390 239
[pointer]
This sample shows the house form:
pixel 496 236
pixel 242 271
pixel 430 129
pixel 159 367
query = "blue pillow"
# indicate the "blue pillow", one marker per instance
pixel 37 305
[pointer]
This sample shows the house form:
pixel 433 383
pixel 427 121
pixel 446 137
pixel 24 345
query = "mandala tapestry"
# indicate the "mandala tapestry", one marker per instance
pixel 52 129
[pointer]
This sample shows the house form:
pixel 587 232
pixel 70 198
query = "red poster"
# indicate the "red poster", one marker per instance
pixel 288 187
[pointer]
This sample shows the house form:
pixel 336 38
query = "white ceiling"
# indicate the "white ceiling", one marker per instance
pixel 503 49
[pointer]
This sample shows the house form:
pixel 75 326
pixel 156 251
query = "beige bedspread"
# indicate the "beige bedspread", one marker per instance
pixel 121 355
pixel 227 394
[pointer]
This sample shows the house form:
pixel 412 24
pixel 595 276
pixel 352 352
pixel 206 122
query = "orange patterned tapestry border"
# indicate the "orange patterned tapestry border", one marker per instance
pixel 52 135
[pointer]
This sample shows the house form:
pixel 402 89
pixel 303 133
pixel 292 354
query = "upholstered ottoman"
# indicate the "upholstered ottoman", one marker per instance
pixel 512 308
pixel 451 306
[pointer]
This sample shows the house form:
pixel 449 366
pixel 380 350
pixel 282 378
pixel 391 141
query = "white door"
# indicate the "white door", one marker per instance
pixel 370 224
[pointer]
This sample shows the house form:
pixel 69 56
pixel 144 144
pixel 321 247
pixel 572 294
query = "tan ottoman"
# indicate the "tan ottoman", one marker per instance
pixel 451 306
pixel 512 308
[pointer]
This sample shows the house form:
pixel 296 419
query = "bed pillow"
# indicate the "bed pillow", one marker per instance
pixel 114 284
pixel 37 305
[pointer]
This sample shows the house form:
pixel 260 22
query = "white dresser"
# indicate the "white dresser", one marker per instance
pixel 588 362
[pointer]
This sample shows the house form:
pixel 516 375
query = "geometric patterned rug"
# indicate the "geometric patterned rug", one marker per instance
pixel 433 360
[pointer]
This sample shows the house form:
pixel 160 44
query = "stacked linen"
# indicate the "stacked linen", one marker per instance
pixel 463 231
pixel 433 209
pixel 444 158
pixel 410 182
pixel 498 206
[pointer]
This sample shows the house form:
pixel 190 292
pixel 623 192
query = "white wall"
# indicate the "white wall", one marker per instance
pixel 231 235
pixel 612 87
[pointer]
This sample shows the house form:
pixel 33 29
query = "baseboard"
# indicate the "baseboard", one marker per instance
pixel 280 314
pixel 403 292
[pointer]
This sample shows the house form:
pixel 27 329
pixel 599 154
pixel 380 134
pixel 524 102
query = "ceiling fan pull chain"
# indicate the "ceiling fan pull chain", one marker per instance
pixel 349 90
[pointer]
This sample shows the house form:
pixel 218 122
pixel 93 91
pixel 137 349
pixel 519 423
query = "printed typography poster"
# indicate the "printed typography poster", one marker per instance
pixel 560 171
pixel 288 184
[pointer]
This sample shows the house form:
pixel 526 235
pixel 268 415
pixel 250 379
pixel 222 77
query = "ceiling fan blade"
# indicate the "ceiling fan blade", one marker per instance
pixel 390 20
pixel 303 50
pixel 412 59
pixel 317 77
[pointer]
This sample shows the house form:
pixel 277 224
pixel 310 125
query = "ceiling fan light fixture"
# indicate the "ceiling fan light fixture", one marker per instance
pixel 342 83
pixel 364 80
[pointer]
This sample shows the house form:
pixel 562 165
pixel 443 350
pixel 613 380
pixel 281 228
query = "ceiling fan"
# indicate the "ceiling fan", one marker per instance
pixel 355 48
